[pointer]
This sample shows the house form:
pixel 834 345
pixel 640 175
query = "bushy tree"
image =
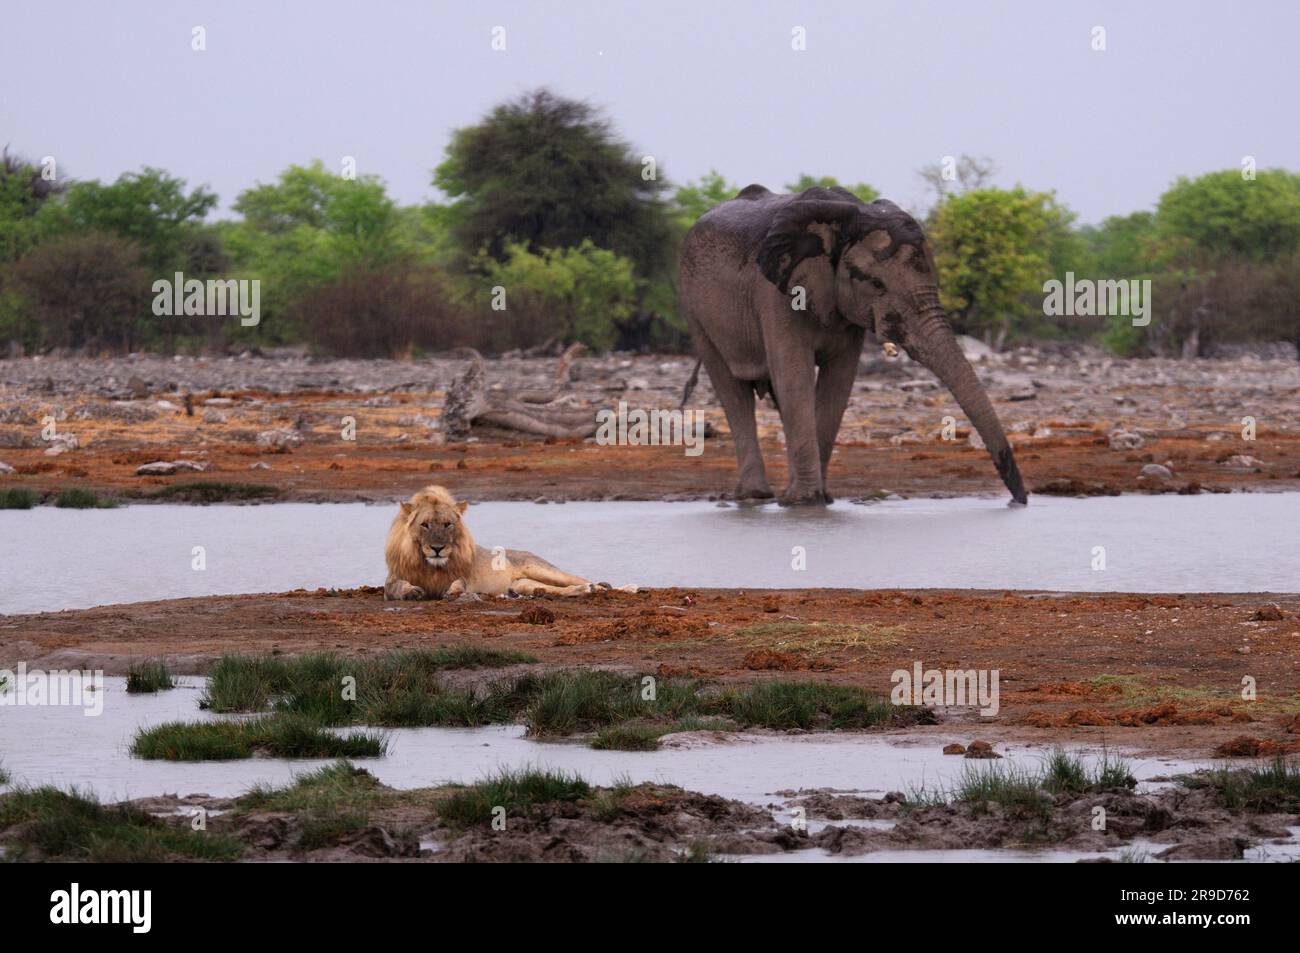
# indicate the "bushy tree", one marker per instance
pixel 805 181
pixel 549 172
pixel 88 289
pixel 577 294
pixel 695 198
pixel 1122 246
pixel 994 248
pixel 1221 215
pixel 150 208
pixel 308 229
pixel 24 190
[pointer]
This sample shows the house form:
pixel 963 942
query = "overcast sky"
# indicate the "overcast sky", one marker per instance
pixel 883 88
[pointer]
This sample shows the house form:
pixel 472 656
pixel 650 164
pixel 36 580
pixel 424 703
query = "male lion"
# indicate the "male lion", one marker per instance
pixel 430 554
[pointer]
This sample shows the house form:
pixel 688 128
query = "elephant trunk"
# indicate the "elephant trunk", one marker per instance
pixel 931 342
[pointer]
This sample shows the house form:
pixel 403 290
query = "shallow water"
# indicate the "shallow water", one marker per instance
pixel 64 747
pixel 1219 543
pixel 61 745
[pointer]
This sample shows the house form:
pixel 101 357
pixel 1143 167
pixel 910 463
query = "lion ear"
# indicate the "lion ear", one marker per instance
pixel 407 508
pixel 462 506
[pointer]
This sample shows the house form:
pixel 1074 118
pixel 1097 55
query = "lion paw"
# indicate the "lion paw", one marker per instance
pixel 412 592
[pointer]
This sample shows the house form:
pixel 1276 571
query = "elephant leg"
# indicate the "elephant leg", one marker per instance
pixel 794 380
pixel 737 399
pixel 835 376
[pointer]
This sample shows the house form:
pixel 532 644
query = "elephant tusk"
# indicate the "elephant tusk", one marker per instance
pixel 891 349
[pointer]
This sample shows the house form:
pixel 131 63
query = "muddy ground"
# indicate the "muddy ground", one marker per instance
pixel 659 823
pixel 280 422
pixel 1161 674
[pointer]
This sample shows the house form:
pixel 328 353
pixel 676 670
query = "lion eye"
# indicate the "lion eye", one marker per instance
pixel 446 526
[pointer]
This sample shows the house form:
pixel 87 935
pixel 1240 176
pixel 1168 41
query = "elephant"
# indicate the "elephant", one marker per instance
pixel 779 291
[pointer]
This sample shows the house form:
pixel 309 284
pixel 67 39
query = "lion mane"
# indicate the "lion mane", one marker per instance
pixel 402 551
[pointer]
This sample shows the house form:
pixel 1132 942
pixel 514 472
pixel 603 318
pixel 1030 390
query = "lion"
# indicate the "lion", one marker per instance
pixel 431 554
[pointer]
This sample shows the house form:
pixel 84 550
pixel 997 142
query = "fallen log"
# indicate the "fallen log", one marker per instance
pixel 468 402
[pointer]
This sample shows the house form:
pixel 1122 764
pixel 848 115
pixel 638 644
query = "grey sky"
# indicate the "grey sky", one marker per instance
pixel 883 87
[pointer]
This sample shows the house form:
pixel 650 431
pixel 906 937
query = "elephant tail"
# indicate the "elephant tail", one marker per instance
pixel 690 385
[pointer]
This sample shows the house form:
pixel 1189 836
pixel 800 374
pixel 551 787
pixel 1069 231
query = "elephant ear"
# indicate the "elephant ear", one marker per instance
pixel 803 244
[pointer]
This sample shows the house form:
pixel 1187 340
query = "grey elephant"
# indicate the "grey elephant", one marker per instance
pixel 779 291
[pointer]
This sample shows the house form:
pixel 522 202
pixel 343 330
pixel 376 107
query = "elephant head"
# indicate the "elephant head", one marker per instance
pixel 869 263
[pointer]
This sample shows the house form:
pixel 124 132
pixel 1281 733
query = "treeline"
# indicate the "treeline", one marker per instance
pixel 556 230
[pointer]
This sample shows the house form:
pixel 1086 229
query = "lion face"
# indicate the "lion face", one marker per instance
pixel 435 527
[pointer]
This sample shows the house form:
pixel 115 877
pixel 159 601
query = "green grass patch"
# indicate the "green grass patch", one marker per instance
pixel 401 689
pixel 626 712
pixel 80 499
pixel 213 491
pixel 517 791
pixel 628 737
pixel 806 705
pixel 569 702
pixel 1025 793
pixel 18 498
pixel 1068 773
pixel 1019 791
pixel 330 803
pixel 282 736
pixel 147 677
pixel 56 825
pixel 1273 787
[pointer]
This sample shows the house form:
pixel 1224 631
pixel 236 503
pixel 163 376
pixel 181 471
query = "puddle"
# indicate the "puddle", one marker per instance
pixel 1217 543
pixel 64 747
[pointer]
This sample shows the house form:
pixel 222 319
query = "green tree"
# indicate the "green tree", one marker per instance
pixel 582 292
pixel 994 249
pixel 549 172
pixel 309 228
pixel 150 208
pixel 1120 247
pixel 863 191
pixel 695 198
pixel 24 190
pixel 1221 214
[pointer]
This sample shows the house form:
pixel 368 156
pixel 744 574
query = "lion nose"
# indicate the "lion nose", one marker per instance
pixel 437 550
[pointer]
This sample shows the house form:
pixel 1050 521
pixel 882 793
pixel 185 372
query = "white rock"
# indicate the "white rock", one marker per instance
pixel 1241 461
pixel 1125 440
pixel 279 438
pixel 168 467
pixel 62 443
pixel 1156 471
